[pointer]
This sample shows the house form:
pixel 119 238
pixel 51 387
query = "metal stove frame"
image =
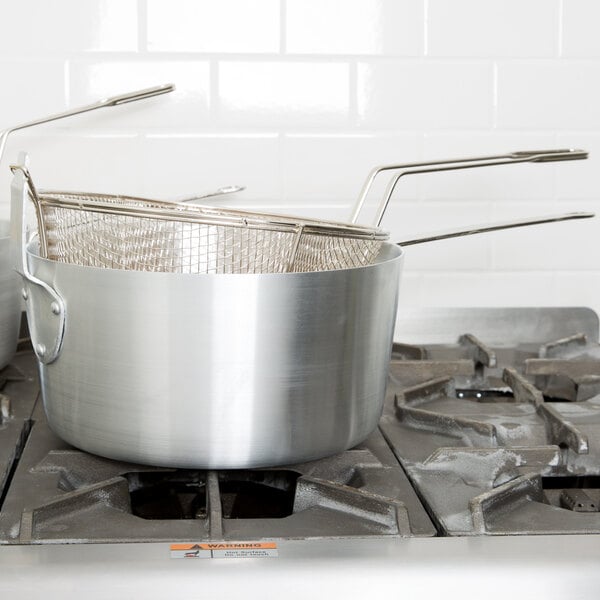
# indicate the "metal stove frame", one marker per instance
pixel 552 566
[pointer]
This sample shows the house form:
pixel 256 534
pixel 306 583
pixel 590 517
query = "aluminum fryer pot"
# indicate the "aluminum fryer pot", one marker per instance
pixel 213 371
pixel 218 371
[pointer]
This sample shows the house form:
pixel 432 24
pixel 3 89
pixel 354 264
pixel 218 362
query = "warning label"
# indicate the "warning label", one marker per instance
pixel 225 550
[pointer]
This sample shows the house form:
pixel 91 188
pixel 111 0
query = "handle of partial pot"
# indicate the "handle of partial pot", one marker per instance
pixel 46 309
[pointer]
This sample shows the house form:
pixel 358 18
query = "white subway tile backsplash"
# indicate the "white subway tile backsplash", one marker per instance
pixel 67 160
pixel 61 27
pixel 334 167
pixel 207 26
pixel 577 289
pixel 186 108
pixel 283 94
pixel 580 20
pixel 555 246
pixel 487 289
pixel 527 181
pixel 581 179
pixel 549 95
pixel 298 99
pixel 511 28
pixel 410 220
pixel 196 164
pixel 24 79
pixel 425 95
pixel 386 27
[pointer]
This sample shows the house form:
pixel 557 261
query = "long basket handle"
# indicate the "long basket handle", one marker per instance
pixel 157 90
pixel 452 165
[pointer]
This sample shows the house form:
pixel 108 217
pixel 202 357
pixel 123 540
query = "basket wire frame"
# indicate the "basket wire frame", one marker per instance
pixel 119 232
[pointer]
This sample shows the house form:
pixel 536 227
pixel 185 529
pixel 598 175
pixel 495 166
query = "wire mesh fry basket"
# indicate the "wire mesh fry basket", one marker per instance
pixel 122 232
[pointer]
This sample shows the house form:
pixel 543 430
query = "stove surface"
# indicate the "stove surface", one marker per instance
pixel 488 447
pixel 490 427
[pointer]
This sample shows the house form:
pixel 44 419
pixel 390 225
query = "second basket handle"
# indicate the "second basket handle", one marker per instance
pixel 456 164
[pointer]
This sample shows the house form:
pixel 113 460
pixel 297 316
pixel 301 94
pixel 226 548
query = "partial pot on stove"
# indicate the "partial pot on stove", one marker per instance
pixel 216 370
pixel 10 299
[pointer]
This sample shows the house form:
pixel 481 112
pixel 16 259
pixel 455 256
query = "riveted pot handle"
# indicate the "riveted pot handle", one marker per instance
pixel 46 309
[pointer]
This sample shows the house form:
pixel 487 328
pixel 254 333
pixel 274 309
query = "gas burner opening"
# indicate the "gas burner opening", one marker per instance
pixel 257 494
pixel 578 493
pixel 168 495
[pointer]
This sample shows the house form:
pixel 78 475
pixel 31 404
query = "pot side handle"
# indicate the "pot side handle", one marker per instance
pixel 46 309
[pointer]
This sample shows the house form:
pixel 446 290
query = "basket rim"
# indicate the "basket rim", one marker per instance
pixel 133 206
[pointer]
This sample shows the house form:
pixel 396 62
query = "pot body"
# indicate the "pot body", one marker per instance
pixel 219 371
pixel 10 300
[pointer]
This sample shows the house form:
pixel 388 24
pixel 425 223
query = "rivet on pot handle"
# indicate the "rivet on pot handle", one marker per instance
pixel 46 309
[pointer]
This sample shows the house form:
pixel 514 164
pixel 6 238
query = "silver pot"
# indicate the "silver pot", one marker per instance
pixel 217 371
pixel 213 371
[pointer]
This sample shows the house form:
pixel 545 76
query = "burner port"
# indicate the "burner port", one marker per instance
pixel 257 494
pixel 168 495
pixel 578 493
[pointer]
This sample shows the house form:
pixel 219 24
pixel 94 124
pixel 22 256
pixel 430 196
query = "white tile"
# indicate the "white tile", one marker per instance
pixel 335 167
pixel 187 107
pixel 187 165
pixel 409 221
pixel 425 94
pixel 283 93
pixel 85 162
pixel 70 161
pixel 580 20
pixel 389 27
pixel 580 179
pixel 578 289
pixel 549 94
pixel 487 289
pixel 549 247
pixel 66 26
pixel 21 98
pixel 472 28
pixel 209 26
pixel 527 181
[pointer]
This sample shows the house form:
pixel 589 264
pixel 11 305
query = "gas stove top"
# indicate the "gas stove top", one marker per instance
pixel 488 447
